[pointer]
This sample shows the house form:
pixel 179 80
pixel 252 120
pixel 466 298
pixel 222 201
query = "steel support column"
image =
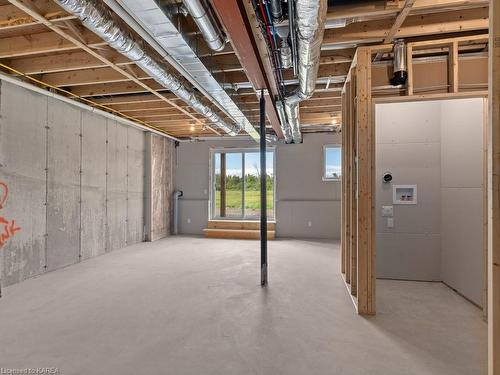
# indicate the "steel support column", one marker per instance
pixel 263 192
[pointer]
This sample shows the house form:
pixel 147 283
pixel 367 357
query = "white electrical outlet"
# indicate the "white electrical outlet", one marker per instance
pixel 189 220
pixel 309 224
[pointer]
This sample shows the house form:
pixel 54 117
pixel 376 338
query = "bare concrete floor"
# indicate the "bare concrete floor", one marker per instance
pixel 193 306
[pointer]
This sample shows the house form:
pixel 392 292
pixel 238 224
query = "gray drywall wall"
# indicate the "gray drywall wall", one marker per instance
pixel 75 183
pixel 462 196
pixel 437 146
pixel 408 145
pixel 306 206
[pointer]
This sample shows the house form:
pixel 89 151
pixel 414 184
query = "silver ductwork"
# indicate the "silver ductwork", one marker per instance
pixel 97 18
pixel 310 18
pixel 287 132
pixel 285 55
pixel 400 70
pixel 207 25
pixel 285 50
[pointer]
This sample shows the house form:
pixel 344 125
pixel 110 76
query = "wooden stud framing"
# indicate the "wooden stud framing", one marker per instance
pixel 485 208
pixel 358 101
pixel 365 166
pixel 345 231
pixel 453 67
pixel 409 66
pixel 494 193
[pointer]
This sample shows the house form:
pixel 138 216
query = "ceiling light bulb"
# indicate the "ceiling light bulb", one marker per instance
pixel 192 128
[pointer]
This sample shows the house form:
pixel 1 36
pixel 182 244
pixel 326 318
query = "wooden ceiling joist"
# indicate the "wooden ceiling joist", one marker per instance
pixel 422 25
pixel 31 10
pixel 92 76
pixel 11 17
pixel 64 62
pixel 383 8
pixel 401 17
pixel 47 42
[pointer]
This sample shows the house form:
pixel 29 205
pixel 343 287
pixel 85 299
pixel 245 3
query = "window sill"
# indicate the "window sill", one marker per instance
pixel 331 179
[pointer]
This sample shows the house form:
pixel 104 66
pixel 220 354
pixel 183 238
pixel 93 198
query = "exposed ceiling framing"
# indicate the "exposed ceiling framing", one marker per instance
pixel 38 38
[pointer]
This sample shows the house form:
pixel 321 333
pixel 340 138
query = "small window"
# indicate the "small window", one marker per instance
pixel 332 157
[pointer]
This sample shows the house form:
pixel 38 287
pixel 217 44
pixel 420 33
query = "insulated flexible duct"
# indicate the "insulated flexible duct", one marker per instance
pixel 97 18
pixel 209 29
pixel 310 18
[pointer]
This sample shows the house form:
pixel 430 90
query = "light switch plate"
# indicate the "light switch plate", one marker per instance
pixel 387 211
pixel 390 222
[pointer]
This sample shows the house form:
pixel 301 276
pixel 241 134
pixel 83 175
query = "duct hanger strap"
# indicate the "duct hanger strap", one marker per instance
pixel 97 18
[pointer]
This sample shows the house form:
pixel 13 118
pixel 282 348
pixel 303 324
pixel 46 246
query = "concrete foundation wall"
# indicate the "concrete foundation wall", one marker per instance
pixel 306 206
pixel 161 178
pixel 75 184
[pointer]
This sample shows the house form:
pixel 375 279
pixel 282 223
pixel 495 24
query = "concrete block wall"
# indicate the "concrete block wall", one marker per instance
pixel 75 183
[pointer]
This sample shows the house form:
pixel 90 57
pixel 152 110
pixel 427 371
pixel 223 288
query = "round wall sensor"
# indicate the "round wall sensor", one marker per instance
pixel 387 177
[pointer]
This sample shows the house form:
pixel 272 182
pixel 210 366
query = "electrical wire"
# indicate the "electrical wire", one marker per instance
pixel 266 24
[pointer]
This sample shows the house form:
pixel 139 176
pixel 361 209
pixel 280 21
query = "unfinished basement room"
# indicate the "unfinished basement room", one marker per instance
pixel 250 187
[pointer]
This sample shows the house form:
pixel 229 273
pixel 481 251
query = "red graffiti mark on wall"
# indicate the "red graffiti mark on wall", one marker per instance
pixel 4 192
pixel 9 226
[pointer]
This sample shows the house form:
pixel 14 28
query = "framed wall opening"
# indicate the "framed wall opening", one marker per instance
pixel 367 85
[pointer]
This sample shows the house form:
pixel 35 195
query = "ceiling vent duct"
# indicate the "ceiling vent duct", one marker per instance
pixel 399 63
pixel 97 18
pixel 206 23
pixel 310 18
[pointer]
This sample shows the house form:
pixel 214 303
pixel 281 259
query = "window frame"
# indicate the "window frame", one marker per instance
pixel 323 173
pixel 242 150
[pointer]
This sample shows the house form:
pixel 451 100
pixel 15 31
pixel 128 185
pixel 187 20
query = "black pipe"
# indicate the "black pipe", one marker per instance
pixel 263 192
pixel 293 38
pixel 276 10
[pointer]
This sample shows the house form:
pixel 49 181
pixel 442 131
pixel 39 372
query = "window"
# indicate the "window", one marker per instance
pixel 332 161
pixel 235 187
